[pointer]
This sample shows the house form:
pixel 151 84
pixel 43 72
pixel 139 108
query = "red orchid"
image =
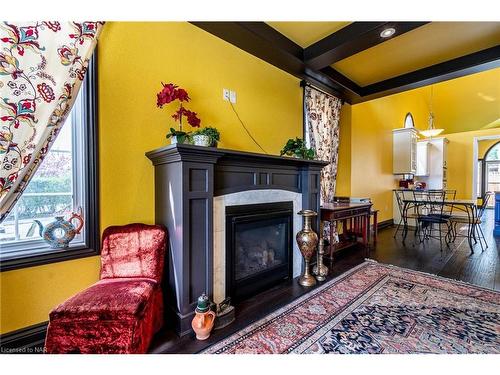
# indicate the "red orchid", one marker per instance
pixel 171 92
pixel 193 120
pixel 179 113
pixel 182 95
pixel 166 95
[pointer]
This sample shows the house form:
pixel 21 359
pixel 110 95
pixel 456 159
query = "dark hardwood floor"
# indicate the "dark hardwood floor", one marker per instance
pixel 456 262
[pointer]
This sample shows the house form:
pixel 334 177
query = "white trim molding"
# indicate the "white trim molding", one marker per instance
pixel 475 151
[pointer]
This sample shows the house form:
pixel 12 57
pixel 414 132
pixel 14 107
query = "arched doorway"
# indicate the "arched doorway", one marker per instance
pixel 491 171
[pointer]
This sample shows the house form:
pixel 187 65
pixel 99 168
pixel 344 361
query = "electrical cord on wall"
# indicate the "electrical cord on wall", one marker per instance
pixel 244 127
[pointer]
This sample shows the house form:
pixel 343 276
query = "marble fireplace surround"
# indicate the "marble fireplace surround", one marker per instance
pixel 242 198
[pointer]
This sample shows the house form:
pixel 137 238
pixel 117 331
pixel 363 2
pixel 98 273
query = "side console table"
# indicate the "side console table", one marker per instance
pixel 355 220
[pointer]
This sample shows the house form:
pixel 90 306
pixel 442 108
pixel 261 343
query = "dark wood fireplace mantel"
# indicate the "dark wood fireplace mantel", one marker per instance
pixel 187 178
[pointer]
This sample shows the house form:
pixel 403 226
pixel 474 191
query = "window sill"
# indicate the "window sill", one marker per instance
pixel 51 256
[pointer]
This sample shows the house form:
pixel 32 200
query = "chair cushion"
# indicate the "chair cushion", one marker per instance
pixel 108 299
pixel 433 219
pixel 133 250
pixel 443 216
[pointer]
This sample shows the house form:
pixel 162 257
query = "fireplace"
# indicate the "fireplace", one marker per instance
pixel 258 247
pixel 194 186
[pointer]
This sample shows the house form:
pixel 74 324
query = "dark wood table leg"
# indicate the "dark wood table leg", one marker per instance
pixel 332 238
pixel 375 226
pixel 365 219
pixel 366 232
pixel 369 235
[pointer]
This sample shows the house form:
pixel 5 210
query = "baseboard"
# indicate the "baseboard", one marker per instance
pixel 385 224
pixel 28 340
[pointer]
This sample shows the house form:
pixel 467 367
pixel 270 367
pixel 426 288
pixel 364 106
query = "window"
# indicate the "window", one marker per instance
pixel 493 153
pixel 65 180
pixel 489 172
pixel 492 171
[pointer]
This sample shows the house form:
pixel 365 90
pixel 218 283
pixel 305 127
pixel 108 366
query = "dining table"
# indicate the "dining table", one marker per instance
pixel 467 208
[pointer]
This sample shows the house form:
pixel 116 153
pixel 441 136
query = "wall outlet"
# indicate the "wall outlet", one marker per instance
pixel 229 95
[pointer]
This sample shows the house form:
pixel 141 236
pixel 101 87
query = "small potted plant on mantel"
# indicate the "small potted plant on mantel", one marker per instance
pixel 206 137
pixel 169 93
pixel 296 148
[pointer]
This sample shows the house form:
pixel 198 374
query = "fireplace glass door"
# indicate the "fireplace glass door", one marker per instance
pixel 258 247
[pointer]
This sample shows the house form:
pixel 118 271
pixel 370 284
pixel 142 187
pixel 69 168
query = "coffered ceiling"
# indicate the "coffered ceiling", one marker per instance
pixel 353 61
pixel 430 44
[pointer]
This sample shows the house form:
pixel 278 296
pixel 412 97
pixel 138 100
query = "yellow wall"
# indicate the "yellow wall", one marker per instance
pixel 343 187
pixel 133 59
pixel 459 104
pixel 460 152
pixel 371 149
pixel 29 294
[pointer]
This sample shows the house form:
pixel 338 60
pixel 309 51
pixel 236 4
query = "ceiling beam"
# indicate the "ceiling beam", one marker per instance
pixel 341 79
pixel 266 43
pixel 469 64
pixel 352 39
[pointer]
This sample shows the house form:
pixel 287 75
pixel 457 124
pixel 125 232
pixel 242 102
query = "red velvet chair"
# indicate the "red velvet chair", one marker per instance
pixel 124 309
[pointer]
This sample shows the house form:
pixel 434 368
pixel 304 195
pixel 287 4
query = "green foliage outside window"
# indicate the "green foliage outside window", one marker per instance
pixel 31 206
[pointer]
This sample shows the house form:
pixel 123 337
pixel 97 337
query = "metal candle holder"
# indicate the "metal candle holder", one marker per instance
pixel 320 270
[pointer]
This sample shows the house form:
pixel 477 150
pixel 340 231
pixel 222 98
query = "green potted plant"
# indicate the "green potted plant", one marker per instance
pixel 206 137
pixel 297 148
pixel 178 136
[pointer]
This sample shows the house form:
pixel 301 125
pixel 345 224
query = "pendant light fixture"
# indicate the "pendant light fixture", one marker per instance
pixel 431 131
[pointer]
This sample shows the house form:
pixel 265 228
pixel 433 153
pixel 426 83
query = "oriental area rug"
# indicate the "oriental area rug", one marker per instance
pixel 376 308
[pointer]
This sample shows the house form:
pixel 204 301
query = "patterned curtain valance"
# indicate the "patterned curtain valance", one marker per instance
pixel 42 65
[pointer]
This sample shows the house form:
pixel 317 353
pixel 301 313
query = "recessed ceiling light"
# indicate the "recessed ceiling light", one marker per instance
pixel 386 33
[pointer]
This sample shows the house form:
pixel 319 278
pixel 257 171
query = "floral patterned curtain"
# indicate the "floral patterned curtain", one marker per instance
pixel 322 115
pixel 42 65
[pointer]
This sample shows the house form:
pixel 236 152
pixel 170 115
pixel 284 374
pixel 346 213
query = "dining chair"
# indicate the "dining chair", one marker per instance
pixel 436 195
pixel 410 211
pixel 477 220
pixel 430 216
pixel 449 195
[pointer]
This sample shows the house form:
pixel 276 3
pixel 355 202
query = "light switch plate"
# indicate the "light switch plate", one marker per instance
pixel 232 96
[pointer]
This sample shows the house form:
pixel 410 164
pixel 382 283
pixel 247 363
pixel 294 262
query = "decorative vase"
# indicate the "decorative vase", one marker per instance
pixel 60 232
pixel 180 140
pixel 201 140
pixel 307 240
pixel 204 318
